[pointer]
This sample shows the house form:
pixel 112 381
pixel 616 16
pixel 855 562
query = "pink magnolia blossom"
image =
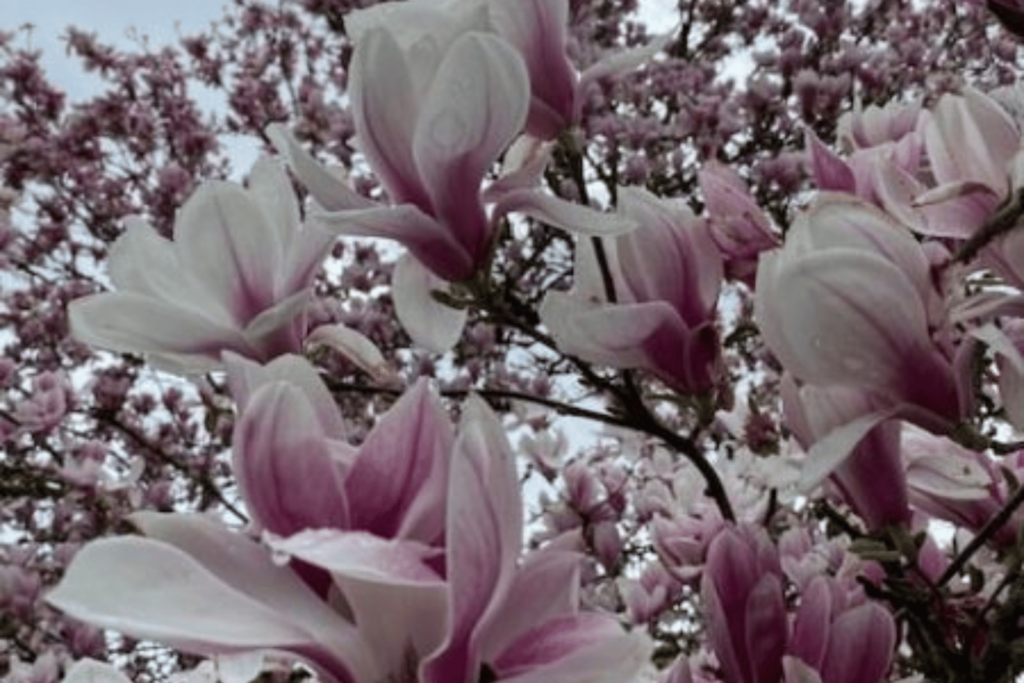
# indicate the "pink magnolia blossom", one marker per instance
pixel 397 608
pixel 849 301
pixel 537 29
pixel 296 471
pixel 972 144
pixel 742 588
pixel 667 275
pixel 837 637
pixel 237 276
pixel 949 482
pixel 865 128
pixel 434 106
pixel 738 225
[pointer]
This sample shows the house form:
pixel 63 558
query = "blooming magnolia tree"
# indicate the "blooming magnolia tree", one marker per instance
pixel 687 353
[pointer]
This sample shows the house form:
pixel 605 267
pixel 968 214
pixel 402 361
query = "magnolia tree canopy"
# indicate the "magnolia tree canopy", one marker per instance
pixel 689 352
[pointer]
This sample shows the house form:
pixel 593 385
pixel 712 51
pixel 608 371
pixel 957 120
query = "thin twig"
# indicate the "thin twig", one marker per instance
pixel 988 531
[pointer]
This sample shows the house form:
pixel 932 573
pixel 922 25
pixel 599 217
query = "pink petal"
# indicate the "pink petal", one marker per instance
pixel 484 537
pixel 475 108
pixel 278 328
pixel 563 214
pixel 671 257
pixel 284 464
pixel 613 335
pixel 431 242
pixel 861 645
pixel 399 482
pixel 245 377
pixel 537 29
pixel 813 619
pixel 766 629
pixel 841 316
pixel 830 452
pixel 359 555
pixel 545 586
pixel 397 600
pixel 613 659
pixel 551 640
pixel 250 569
pixel 971 137
pixel 385 109
pixel 827 169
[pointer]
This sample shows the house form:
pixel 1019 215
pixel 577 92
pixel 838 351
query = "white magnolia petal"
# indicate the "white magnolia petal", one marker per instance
pixel 971 137
pixel 384 110
pixel 250 569
pixel 142 261
pixel 92 671
pixel 230 246
pixel 356 347
pixel 562 214
pixel 303 257
pixel 1011 370
pixel 271 189
pixel 949 476
pixel 135 323
pixel 395 598
pixel 332 192
pixel 240 667
pixel 431 324
pixel 841 316
pixel 610 334
pixel 152 590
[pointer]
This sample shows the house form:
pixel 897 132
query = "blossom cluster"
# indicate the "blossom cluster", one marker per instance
pixel 806 360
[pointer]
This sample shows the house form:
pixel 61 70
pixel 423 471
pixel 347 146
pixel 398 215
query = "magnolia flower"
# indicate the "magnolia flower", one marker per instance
pixel 666 277
pixel 296 471
pixel 849 301
pixel 434 107
pixel 738 225
pixel 395 607
pixel 237 276
pixel 537 29
pixel 866 128
pixel 949 482
pixel 971 143
pixel 747 622
pixel 838 637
